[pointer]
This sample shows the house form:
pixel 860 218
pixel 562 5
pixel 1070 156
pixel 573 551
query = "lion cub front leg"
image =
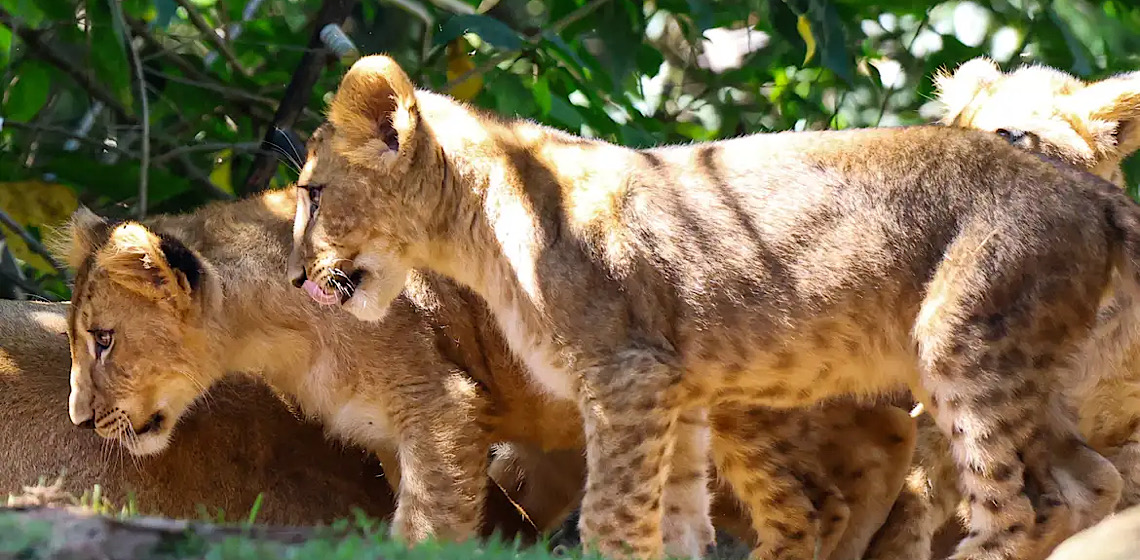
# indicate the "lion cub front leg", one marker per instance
pixel 687 527
pixel 630 408
pixel 443 480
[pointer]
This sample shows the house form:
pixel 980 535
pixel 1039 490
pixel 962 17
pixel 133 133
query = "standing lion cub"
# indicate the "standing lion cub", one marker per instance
pixel 778 269
pixel 1091 126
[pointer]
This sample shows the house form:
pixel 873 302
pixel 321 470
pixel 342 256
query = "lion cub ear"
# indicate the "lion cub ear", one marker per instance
pixel 956 91
pixel 83 233
pixel 158 267
pixel 374 113
pixel 1113 100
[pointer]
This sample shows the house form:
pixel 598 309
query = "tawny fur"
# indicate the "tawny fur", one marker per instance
pixel 437 335
pixel 771 270
pixel 1090 125
pixel 245 440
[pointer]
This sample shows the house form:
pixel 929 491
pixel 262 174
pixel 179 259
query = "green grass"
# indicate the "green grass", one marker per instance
pixel 359 539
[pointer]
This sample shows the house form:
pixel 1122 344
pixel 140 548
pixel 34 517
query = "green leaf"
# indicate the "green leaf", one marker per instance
pixel 62 10
pixel 27 12
pixel 832 40
pixel 487 28
pixel 541 92
pixel 29 93
pixel 108 54
pixel 1082 58
pixel 164 12
pixel 5 46
pixel 702 14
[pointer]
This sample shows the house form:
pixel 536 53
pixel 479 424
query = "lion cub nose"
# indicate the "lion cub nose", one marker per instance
pixel 299 280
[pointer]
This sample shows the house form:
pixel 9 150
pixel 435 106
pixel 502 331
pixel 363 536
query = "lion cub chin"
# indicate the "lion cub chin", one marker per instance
pixel 1089 125
pixel 653 285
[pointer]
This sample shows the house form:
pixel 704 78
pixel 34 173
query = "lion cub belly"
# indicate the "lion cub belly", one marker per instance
pixel 804 369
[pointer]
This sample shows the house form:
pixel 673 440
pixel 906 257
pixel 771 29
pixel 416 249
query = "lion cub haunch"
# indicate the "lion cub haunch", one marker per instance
pixel 655 284
pixel 246 441
pixel 1091 126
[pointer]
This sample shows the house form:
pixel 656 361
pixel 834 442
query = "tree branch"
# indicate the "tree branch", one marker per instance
pixel 212 36
pixel 144 160
pixel 35 246
pixel 297 92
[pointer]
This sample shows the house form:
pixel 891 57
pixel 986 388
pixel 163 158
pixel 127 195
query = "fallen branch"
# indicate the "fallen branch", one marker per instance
pixel 297 92
pixel 78 535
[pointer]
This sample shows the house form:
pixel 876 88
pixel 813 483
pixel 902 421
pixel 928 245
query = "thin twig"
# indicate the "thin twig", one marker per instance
pixel 232 93
pixel 43 48
pixel 27 286
pixel 207 147
pixel 890 90
pixel 212 35
pixel 144 165
pixel 555 28
pixel 70 135
pixel 35 246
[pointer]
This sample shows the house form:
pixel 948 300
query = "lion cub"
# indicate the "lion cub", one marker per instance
pixel 778 270
pixel 162 310
pixel 1092 126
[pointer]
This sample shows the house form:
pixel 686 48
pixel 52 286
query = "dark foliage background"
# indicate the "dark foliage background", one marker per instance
pixel 217 74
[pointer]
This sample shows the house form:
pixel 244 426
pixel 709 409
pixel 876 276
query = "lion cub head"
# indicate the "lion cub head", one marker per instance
pixel 370 182
pixel 139 353
pixel 1092 125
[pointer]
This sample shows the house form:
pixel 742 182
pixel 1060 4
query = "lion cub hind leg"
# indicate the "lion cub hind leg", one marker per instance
pixel 630 407
pixel 795 511
pixel 928 499
pixel 991 349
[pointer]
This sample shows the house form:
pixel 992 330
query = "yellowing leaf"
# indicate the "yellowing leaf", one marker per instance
pixel 221 175
pixel 35 203
pixel 803 25
pixel 458 64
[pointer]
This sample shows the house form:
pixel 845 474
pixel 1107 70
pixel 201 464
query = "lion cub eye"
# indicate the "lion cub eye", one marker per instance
pixel 104 339
pixel 315 195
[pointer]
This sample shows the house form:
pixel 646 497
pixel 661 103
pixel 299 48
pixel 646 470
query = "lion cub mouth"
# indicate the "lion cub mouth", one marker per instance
pixel 339 289
pixel 319 294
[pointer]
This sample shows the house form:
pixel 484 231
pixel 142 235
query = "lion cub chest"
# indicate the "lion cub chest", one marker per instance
pixel 359 417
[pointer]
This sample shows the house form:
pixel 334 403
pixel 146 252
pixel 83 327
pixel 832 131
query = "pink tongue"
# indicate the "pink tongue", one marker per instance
pixel 318 294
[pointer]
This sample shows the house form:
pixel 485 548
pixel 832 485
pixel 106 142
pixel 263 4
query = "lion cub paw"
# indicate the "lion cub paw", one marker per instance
pixel 688 536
